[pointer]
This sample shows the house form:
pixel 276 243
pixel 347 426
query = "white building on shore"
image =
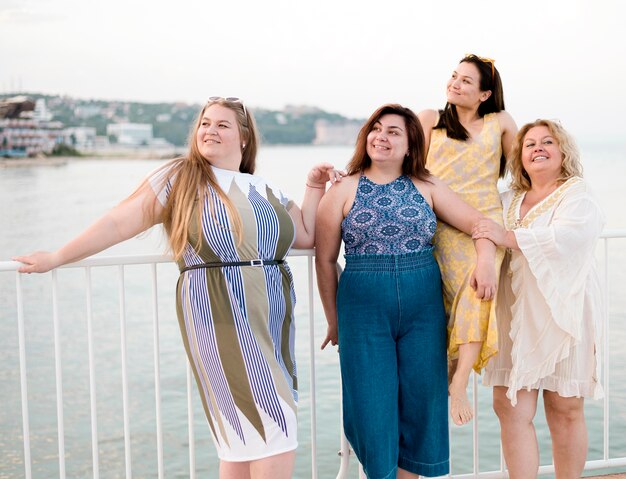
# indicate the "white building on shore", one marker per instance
pixel 83 138
pixel 336 132
pixel 130 134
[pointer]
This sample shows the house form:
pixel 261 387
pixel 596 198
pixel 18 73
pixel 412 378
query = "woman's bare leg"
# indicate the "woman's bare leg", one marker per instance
pixel 460 406
pixel 566 420
pixel 404 474
pixel 519 440
pixel 279 466
pixel 232 470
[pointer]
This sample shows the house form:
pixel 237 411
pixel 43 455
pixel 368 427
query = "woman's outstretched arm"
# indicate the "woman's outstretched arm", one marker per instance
pixel 132 216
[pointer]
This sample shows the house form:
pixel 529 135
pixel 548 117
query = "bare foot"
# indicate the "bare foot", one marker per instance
pixel 460 407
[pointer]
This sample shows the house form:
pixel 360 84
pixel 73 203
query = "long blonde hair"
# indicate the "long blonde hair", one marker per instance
pixel 520 181
pixel 191 178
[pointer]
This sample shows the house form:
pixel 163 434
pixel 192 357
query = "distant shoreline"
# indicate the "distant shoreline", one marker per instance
pixel 26 162
pixel 63 160
pixel 125 154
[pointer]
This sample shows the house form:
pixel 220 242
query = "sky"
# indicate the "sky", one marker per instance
pixel 559 59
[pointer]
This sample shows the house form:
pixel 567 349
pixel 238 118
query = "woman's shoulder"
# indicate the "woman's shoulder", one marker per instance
pixel 428 183
pixel 167 169
pixel 347 184
pixel 507 195
pixel 162 178
pixel 502 115
pixel 341 190
pixel 505 120
pixel 579 196
pixel 578 187
pixel 428 118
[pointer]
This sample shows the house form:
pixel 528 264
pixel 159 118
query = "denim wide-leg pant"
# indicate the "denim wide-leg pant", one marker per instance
pixel 392 349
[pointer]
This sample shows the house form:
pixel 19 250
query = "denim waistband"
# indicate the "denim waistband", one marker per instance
pixel 389 262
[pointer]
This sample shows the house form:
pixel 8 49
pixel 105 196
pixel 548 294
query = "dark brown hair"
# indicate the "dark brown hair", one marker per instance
pixel 414 163
pixel 489 81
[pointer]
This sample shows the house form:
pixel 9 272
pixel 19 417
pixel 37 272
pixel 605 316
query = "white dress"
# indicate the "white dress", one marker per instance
pixel 550 307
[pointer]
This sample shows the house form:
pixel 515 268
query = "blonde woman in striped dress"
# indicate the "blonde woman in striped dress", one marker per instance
pixel 229 231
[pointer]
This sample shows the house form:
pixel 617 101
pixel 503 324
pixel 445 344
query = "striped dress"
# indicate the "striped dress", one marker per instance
pixel 237 322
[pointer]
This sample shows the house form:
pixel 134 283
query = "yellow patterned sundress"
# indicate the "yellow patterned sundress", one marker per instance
pixel 470 168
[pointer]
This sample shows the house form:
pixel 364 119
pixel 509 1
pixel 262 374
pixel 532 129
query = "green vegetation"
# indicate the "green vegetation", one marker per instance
pixel 171 121
pixel 64 150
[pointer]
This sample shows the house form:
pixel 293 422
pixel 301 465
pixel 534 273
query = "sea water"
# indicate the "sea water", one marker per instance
pixel 42 207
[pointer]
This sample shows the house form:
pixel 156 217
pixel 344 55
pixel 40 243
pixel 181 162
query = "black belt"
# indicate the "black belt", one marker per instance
pixel 252 262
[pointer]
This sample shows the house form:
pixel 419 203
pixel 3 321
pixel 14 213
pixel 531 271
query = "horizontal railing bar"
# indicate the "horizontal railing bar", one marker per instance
pixel 613 233
pixel 547 469
pixel 164 258
pixel 133 259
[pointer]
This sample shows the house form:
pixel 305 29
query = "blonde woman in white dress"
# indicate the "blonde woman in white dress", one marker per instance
pixel 549 305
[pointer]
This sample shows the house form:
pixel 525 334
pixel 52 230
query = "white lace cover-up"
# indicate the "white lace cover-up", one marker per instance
pixel 550 306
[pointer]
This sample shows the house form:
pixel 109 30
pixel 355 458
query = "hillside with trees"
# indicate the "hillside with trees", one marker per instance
pixel 171 121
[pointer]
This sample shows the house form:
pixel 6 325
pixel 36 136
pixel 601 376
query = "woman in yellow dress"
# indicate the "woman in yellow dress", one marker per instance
pixel 467 145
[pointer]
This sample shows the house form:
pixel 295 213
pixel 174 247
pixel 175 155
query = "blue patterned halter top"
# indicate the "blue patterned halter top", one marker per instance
pixel 388 219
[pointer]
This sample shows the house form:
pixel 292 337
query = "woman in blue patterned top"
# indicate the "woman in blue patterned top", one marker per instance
pixel 386 311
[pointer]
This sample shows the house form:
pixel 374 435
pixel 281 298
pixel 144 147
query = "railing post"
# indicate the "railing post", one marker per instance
pixel 127 452
pixel 23 379
pixel 605 354
pixel 312 371
pixel 58 376
pixel 92 378
pixel 157 369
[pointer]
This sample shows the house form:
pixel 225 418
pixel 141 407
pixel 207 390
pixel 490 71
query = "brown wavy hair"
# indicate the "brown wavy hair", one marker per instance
pixel 191 178
pixel 414 163
pixel 571 166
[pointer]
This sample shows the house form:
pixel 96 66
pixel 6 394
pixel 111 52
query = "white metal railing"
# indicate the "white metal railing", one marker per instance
pixel 120 262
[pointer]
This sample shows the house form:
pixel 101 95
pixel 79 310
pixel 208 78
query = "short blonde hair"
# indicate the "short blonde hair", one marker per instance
pixel 520 181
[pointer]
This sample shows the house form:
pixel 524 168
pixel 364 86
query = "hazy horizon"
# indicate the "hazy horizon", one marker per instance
pixel 559 59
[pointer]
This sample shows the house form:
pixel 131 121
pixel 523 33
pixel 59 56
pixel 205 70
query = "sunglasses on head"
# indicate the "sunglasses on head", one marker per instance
pixel 484 60
pixel 232 99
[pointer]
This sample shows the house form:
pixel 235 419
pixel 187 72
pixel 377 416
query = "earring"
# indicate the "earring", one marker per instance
pixel 243 145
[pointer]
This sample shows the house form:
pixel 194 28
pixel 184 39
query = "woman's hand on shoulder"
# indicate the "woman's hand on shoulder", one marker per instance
pixel 322 173
pixel 340 196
